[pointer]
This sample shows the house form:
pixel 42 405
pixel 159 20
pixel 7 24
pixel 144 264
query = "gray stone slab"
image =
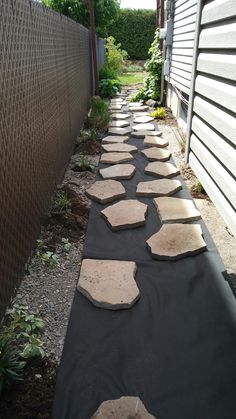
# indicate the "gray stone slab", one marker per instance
pixel 176 241
pixel 160 169
pixel 109 284
pixel 161 187
pixel 120 115
pixel 119 131
pixel 118 124
pixel 104 191
pixel 143 119
pixel 125 214
pixel 119 148
pixel 124 408
pixel 114 158
pixel 155 153
pixel 115 107
pixel 176 210
pixel 143 134
pixel 118 171
pixel 144 127
pixel 151 141
pixel 116 100
pixel 138 108
pixel 111 139
pixel 135 104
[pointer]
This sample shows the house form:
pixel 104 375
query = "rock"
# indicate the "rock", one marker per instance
pixel 119 124
pixel 161 169
pixel 162 187
pixel 144 127
pixel 119 148
pixel 115 107
pixel 118 171
pixel 114 158
pixel 104 191
pixel 116 100
pixel 176 241
pixel 151 141
pixel 109 284
pixel 120 115
pixel 129 213
pixel 143 119
pixel 154 153
pixel 176 210
pixel 123 408
pixel 143 134
pixel 110 139
pixel 120 131
pixel 150 102
pixel 138 108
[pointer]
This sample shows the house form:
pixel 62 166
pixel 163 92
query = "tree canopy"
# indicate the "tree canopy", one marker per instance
pixel 105 12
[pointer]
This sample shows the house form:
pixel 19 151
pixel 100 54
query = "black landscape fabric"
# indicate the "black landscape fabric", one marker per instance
pixel 175 348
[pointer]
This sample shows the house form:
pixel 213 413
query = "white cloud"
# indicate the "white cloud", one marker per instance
pixel 139 4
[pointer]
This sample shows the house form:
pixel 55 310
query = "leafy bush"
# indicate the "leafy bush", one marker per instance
pixel 99 115
pixel 109 88
pixel 140 96
pixel 159 113
pixel 114 60
pixel 135 30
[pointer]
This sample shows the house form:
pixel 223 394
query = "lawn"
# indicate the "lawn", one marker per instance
pixel 132 78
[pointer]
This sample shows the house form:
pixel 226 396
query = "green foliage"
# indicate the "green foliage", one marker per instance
pixel 87 134
pixel 45 255
pixel 135 30
pixel 115 57
pixel 11 366
pixel 109 88
pixel 99 116
pixel 61 202
pixel 140 96
pixel 132 68
pixel 105 12
pixel 159 113
pixel 198 188
pixel 83 165
pixel 66 244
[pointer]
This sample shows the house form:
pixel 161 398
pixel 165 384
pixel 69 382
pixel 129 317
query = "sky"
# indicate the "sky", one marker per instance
pixel 139 4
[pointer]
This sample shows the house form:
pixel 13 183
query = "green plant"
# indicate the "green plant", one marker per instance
pixel 132 68
pixel 33 348
pixel 61 202
pixel 159 113
pixel 49 258
pixel 83 164
pixel 109 88
pixel 198 188
pixel 88 134
pixel 66 244
pixel 114 61
pixel 140 96
pixel 99 115
pixel 11 366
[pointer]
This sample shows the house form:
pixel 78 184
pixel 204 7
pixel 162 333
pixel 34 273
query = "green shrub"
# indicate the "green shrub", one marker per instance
pixel 99 115
pixel 109 88
pixel 135 30
pixel 159 113
pixel 114 60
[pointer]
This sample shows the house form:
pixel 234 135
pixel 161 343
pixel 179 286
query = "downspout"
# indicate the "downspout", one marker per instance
pixel 162 46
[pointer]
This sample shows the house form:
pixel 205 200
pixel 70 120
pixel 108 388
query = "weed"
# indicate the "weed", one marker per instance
pixel 61 202
pixel 88 134
pixel 33 348
pixel 49 258
pixel 66 244
pixel 99 115
pixel 159 113
pixel 83 164
pixel 11 366
pixel 198 188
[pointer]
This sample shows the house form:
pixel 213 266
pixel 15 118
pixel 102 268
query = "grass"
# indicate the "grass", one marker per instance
pixel 132 78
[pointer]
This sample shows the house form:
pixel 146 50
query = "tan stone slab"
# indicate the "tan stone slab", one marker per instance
pixel 119 148
pixel 143 134
pixel 104 191
pixel 114 158
pixel 135 104
pixel 176 241
pixel 162 187
pixel 155 153
pixel 116 100
pixel 161 169
pixel 118 171
pixel 144 127
pixel 143 119
pixel 129 213
pixel 151 141
pixel 115 107
pixel 140 114
pixel 111 139
pixel 120 116
pixel 119 131
pixel 118 124
pixel 123 408
pixel 176 210
pixel 138 108
pixel 109 284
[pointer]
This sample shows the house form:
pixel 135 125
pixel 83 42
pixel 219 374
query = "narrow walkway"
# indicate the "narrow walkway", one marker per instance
pixel 173 345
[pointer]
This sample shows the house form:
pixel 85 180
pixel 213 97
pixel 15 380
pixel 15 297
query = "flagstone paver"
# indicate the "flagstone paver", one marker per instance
pixel 119 124
pixel 176 210
pixel 155 153
pixel 138 108
pixel 109 284
pixel 104 191
pixel 143 119
pixel 129 213
pixel 161 187
pixel 111 139
pixel 151 141
pixel 119 148
pixel 118 171
pixel 143 134
pixel 114 158
pixel 161 169
pixel 120 131
pixel 120 115
pixel 135 104
pixel 115 107
pixel 176 241
pixel 124 408
pixel 144 127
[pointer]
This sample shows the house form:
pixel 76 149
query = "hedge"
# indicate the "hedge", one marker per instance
pixel 135 30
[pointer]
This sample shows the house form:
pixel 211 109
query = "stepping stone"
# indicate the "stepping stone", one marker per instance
pixel 125 214
pixel 111 139
pixel 116 100
pixel 104 191
pixel 144 127
pixel 119 148
pixel 114 158
pixel 161 169
pixel 176 241
pixel 162 187
pixel 138 108
pixel 143 134
pixel 120 131
pixel 155 142
pixel 119 124
pixel 143 114
pixel 143 119
pixel 120 116
pixel 115 107
pixel 155 153
pixel 176 210
pixel 135 104
pixel 124 408
pixel 109 284
pixel 118 171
